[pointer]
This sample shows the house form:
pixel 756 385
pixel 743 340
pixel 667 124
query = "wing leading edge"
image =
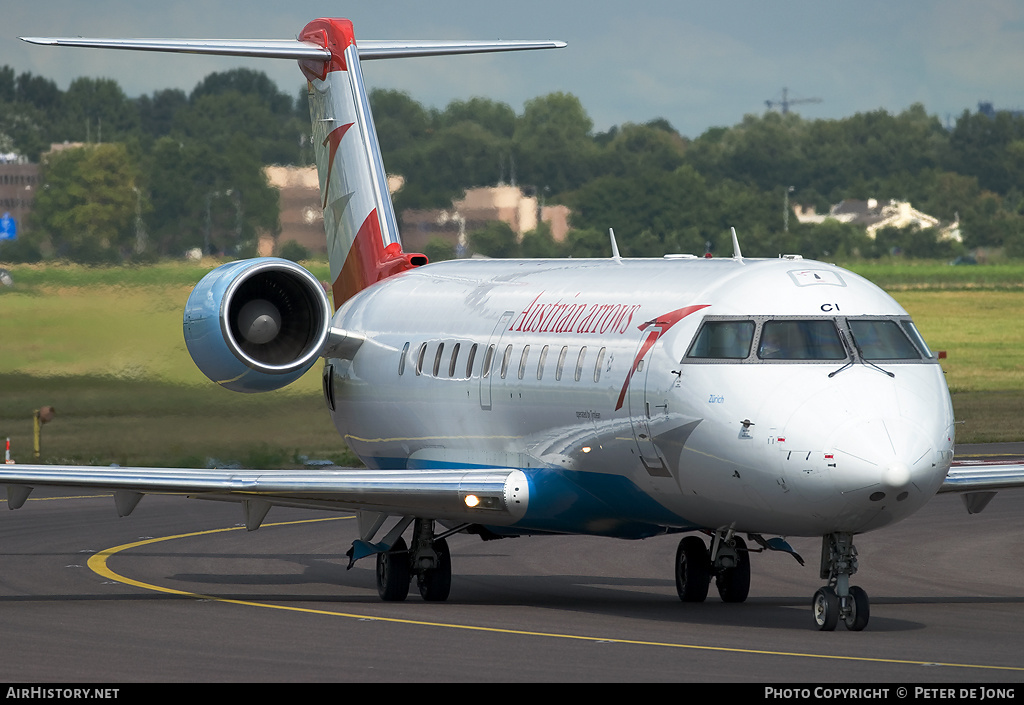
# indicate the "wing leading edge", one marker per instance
pixel 978 480
pixel 493 496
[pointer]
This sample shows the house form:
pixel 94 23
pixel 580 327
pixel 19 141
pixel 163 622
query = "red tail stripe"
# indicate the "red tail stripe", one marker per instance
pixel 369 261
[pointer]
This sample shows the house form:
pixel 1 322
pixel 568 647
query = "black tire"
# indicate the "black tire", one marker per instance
pixel 860 610
pixel 393 573
pixel 436 584
pixel 734 583
pixel 693 570
pixel 825 608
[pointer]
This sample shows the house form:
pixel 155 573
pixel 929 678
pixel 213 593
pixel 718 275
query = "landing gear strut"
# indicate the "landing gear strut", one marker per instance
pixel 428 559
pixel 839 600
pixel 728 563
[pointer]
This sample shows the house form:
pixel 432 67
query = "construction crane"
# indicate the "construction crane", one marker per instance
pixel 786 101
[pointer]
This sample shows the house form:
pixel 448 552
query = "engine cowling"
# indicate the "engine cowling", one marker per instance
pixel 256 325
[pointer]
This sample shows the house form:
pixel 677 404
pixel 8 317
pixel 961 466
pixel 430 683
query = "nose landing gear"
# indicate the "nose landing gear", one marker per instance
pixel 839 600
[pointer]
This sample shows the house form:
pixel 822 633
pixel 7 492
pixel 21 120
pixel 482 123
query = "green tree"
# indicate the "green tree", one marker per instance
pixel 496 239
pixel 497 118
pixel 88 203
pixel 96 110
pixel 438 249
pixel 208 195
pixel 588 242
pixel 989 148
pixel 553 143
pixel 23 130
pixel 401 123
pixel 538 243
pixel 219 120
pixel 634 148
pixel 157 113
pixel 247 82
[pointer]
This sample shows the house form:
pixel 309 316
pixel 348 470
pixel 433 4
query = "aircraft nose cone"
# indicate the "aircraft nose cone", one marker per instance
pixel 887 454
pixel 896 475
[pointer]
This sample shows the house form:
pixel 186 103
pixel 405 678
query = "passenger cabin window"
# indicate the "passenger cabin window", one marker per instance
pixel 579 362
pixel 401 360
pixel 882 340
pixel 437 358
pixel 488 361
pixel 504 361
pixel 470 361
pixel 540 363
pixel 561 363
pixel 598 363
pixel 455 359
pixel 800 340
pixel 723 340
pixel 419 359
pixel 522 361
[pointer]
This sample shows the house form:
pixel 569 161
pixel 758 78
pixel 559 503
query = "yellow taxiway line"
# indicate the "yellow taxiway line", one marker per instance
pixel 98 564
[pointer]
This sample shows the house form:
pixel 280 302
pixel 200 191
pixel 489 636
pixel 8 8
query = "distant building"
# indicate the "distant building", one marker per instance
pixel 18 183
pixel 873 215
pixel 508 204
pixel 301 213
pixel 301 210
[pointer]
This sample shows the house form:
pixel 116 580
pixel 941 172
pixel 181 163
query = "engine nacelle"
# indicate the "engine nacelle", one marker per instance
pixel 256 325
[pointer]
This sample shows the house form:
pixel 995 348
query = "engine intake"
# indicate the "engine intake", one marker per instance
pixel 256 325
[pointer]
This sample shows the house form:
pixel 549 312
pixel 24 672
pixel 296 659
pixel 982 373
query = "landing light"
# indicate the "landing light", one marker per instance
pixel 472 500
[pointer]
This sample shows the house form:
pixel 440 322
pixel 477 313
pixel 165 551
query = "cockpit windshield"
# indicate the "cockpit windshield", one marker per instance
pixel 882 340
pixel 767 339
pixel 800 340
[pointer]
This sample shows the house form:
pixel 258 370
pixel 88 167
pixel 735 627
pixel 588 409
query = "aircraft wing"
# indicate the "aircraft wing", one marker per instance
pixel 493 496
pixel 978 480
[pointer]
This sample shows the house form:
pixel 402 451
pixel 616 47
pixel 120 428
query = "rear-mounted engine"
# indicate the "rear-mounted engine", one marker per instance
pixel 256 325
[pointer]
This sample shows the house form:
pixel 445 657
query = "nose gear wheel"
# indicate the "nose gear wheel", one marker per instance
pixel 839 600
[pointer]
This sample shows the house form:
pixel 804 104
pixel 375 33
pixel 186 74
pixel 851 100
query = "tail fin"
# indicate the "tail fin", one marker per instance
pixel 363 243
pixel 362 233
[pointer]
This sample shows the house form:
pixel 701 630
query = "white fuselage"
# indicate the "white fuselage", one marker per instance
pixel 589 389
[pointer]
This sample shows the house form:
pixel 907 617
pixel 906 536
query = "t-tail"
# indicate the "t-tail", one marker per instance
pixel 256 325
pixel 363 242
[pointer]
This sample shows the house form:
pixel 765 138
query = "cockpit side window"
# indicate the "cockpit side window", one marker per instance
pixel 813 339
pixel 915 335
pixel 723 340
pixel 882 340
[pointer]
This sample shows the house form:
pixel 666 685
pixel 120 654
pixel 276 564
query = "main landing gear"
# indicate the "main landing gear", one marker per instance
pixel 838 600
pixel 728 562
pixel 428 559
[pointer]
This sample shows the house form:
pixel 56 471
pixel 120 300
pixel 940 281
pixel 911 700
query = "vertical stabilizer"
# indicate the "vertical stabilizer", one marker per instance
pixel 363 244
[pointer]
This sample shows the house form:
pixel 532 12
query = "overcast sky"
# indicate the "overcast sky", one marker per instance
pixel 697 64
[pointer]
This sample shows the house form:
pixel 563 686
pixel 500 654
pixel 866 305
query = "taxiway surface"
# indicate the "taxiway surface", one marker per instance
pixel 947 601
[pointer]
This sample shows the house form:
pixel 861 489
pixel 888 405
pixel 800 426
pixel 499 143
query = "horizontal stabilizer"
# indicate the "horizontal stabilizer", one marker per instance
pixel 299 50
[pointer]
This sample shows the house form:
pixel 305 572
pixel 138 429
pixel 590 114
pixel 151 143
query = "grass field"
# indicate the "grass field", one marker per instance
pixel 104 347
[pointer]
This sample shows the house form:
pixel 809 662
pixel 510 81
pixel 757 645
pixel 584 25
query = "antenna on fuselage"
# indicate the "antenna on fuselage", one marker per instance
pixel 736 254
pixel 615 246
